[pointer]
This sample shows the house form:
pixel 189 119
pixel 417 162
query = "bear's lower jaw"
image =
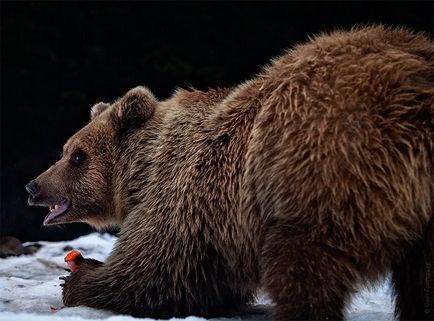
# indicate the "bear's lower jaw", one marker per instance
pixel 56 211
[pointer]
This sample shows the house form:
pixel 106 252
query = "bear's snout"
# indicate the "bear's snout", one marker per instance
pixel 33 189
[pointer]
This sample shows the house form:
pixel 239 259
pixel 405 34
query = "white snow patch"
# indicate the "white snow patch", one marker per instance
pixel 29 285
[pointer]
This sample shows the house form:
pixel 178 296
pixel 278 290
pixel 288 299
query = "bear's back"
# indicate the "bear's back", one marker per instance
pixel 342 143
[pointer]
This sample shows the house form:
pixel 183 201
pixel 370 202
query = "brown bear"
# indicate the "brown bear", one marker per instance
pixel 308 180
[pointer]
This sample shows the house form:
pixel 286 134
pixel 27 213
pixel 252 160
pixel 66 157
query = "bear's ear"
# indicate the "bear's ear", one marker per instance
pixel 134 108
pixel 98 109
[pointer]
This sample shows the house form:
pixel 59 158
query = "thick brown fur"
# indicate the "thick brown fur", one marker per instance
pixel 310 179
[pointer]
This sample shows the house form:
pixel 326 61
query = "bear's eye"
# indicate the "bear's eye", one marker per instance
pixel 77 158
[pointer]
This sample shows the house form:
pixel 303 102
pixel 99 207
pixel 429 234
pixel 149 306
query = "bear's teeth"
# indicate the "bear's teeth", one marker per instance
pixel 56 207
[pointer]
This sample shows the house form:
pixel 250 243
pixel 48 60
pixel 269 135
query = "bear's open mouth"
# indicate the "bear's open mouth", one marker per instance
pixel 56 210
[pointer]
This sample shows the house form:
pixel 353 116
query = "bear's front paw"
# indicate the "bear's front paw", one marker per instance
pixel 71 288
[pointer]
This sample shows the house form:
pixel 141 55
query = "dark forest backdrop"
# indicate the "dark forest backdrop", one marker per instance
pixel 59 58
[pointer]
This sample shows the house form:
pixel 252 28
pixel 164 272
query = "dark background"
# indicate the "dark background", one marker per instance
pixel 58 59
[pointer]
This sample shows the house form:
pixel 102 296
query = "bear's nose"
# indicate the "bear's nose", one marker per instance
pixel 33 188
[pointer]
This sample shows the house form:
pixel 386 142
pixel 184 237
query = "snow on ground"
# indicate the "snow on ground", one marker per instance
pixel 29 285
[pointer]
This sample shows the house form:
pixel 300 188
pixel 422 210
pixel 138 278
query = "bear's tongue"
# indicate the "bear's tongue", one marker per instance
pixel 56 211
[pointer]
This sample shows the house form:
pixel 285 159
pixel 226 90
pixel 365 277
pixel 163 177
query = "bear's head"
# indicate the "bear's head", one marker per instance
pixel 80 187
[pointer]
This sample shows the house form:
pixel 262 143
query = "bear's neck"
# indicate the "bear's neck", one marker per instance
pixel 132 167
pixel 195 140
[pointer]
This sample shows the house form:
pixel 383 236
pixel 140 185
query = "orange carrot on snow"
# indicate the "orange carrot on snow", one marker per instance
pixel 56 309
pixel 72 259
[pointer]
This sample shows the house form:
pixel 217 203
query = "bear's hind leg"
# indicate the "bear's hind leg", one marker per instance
pixel 412 278
pixel 306 281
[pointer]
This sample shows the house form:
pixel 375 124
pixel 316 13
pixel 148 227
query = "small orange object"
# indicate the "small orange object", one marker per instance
pixel 56 309
pixel 71 259
pixel 71 256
